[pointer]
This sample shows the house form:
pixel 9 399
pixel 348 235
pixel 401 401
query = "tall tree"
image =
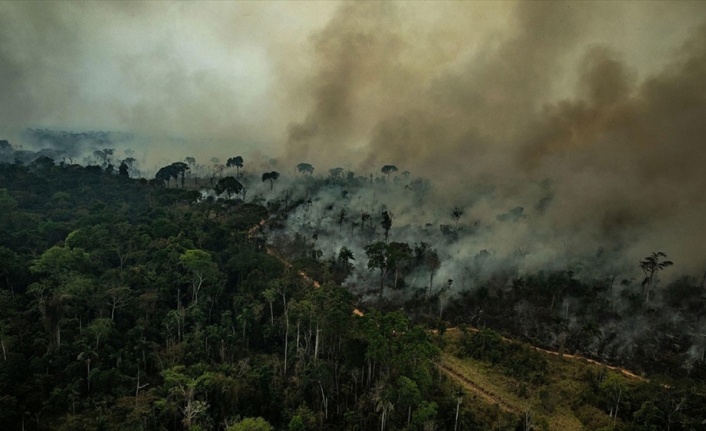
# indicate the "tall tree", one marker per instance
pixel 180 169
pixel 400 257
pixel 175 170
pixel 378 258
pixel 202 268
pixel 228 185
pixel 236 161
pixel 456 215
pixel 651 265
pixel 271 176
pixel 388 169
pixel 305 168
pixel 335 172
pixel 104 156
pixel 429 258
pixel 386 224
pixel 123 170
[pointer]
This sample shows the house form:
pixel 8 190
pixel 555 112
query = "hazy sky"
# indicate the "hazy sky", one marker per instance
pixel 605 99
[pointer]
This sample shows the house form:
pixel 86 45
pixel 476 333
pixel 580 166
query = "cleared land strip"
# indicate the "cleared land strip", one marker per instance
pixel 623 371
pixel 476 389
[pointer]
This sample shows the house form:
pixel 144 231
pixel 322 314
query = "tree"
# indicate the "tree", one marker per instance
pixel 386 224
pixel 104 156
pixel 335 173
pixel 456 214
pixel 118 297
pixel 341 217
pixel 400 257
pixel 228 185
pixel 429 258
pixel 407 394
pixel 86 356
pixel 180 168
pixel 305 168
pixel 613 387
pixel 345 255
pixel 123 170
pixel 459 398
pixel 364 216
pixel 651 265
pixel 377 259
pixel 271 176
pixel 163 175
pixel 130 162
pixel 199 263
pixel 388 169
pixel 383 403
pixel 174 170
pixel 236 161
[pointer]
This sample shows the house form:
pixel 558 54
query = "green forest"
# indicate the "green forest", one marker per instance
pixel 134 304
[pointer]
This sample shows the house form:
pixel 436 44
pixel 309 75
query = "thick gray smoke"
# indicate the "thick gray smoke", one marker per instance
pixel 563 93
pixel 587 115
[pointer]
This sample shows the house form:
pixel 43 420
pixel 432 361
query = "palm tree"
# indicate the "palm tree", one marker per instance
pixel 236 161
pixel 651 265
pixel 382 404
pixel 86 356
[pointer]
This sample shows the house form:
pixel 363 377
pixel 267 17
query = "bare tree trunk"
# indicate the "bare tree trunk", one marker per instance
pixel 458 408
pixel 324 401
pixel 88 374
pixel 138 386
pixel 617 405
pixel 297 345
pixel 286 341
pixel 316 344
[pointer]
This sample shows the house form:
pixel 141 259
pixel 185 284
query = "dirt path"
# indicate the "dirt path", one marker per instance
pixel 478 390
pixel 288 264
pixel 623 371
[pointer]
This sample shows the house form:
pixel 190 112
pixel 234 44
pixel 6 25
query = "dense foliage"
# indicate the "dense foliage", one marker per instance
pixel 126 304
pixel 135 304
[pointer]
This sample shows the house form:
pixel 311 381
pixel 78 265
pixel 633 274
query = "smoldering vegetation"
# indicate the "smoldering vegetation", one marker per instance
pixel 567 138
pixel 550 102
pixel 489 264
pixel 564 152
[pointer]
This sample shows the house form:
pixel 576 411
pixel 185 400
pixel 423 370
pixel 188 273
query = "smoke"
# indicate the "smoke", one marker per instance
pixel 560 92
pixel 589 116
pixel 186 78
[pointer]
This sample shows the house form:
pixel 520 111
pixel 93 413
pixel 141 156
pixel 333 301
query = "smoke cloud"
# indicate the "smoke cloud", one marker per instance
pixel 590 116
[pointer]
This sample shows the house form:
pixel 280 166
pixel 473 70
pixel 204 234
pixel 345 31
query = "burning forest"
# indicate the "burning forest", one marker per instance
pixel 319 177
